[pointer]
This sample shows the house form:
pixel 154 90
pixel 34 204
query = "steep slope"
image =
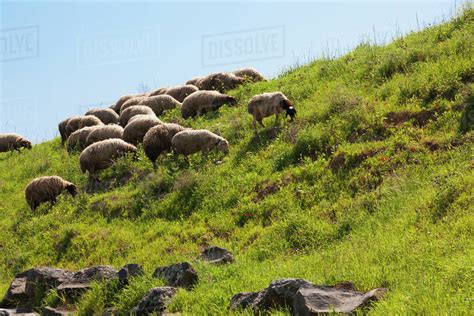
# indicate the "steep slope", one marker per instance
pixel 373 183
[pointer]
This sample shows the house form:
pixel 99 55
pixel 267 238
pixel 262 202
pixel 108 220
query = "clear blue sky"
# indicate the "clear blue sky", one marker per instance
pixel 58 59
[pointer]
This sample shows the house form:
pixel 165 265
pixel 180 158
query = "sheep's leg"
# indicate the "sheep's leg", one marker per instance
pixel 155 165
pixel 277 119
pixel 260 121
pixel 254 124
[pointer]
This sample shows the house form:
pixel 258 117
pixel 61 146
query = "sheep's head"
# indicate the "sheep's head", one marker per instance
pixel 231 101
pixel 25 143
pixel 285 104
pixel 72 189
pixel 223 145
pixel 291 112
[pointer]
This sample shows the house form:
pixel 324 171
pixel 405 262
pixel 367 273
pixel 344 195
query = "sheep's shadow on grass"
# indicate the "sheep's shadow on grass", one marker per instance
pixel 107 182
pixel 259 141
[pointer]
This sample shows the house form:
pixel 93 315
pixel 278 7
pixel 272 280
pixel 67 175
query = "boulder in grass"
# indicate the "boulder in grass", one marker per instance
pixel 154 301
pixel 304 298
pixel 217 255
pixel 128 271
pixel 178 275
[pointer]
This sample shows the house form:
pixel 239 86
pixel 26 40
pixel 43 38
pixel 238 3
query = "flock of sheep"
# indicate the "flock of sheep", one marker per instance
pixel 103 135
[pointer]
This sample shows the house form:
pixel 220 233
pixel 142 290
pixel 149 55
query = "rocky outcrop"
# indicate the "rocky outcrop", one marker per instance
pixel 29 286
pixel 129 271
pixel 304 298
pixel 154 301
pixel 178 275
pixel 217 255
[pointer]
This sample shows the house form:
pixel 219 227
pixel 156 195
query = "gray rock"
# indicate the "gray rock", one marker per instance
pixel 305 298
pixel 128 271
pixel 28 287
pixel 178 275
pixel 51 311
pixel 21 311
pixel 154 301
pixel 217 255
pixel 327 299
pixel 81 280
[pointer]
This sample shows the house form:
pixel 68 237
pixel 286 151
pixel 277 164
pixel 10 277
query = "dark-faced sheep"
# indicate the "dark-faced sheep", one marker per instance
pixel 78 122
pixel 77 140
pixel 268 104
pixel 158 140
pixel 107 116
pixel 104 132
pixel 190 141
pixel 248 74
pixel 161 103
pixel 138 126
pixel 132 111
pixel 11 141
pixel 46 189
pixel 221 81
pixel 102 155
pixel 181 92
pixel 201 102
pixel 62 130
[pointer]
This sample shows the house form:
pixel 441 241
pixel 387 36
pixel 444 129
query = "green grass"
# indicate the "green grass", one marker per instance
pixel 352 197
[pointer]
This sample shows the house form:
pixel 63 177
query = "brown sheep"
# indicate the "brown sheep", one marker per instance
pixel 118 105
pixel 221 81
pixel 62 130
pixel 202 102
pixel 181 92
pixel 158 140
pixel 191 141
pixel 158 91
pixel 11 141
pixel 104 132
pixel 77 140
pixel 132 111
pixel 161 103
pixel 194 80
pixel 249 74
pixel 268 104
pixel 46 189
pixel 138 126
pixel 133 101
pixel 107 116
pixel 78 122
pixel 101 155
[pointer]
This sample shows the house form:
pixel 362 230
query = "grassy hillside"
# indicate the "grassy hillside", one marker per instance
pixel 373 183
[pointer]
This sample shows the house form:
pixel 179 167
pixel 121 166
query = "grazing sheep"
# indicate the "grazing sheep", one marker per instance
pixel 107 116
pixel 249 74
pixel 158 140
pixel 181 92
pixel 221 81
pixel 118 105
pixel 101 155
pixel 194 80
pixel 158 91
pixel 267 104
pixel 133 101
pixel 132 111
pixel 201 102
pixel 161 103
pixel 138 126
pixel 78 139
pixel 104 132
pixel 62 130
pixel 46 189
pixel 11 141
pixel 190 141
pixel 78 122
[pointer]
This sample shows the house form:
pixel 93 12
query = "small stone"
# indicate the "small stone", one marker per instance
pixel 130 270
pixel 154 301
pixel 217 255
